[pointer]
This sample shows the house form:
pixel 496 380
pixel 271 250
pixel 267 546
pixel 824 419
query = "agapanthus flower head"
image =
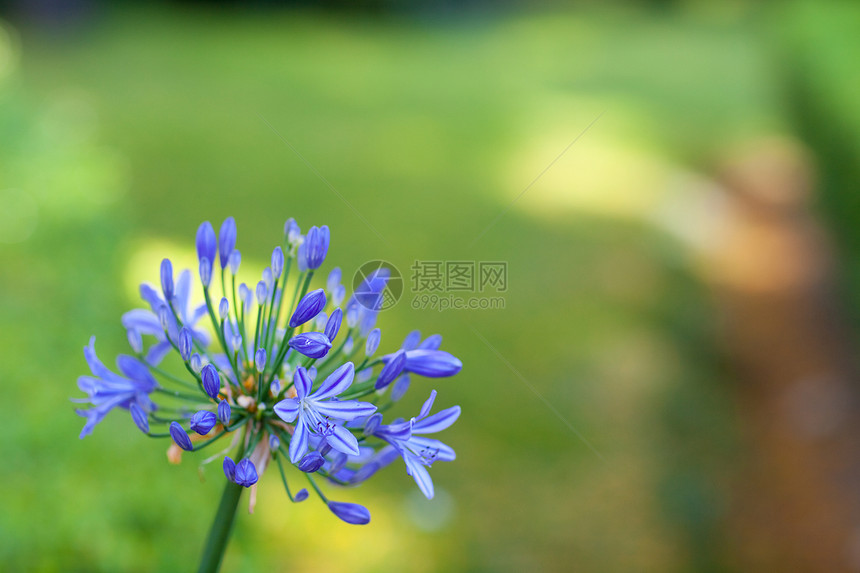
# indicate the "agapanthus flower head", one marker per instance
pixel 261 368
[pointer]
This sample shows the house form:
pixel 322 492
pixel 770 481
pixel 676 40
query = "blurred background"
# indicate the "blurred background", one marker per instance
pixel 671 384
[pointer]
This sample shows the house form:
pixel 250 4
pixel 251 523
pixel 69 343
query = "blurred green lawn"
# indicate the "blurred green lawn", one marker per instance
pixel 131 131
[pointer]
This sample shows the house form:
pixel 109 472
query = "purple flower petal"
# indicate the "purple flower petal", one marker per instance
pixel 139 417
pixel 347 410
pixel 432 342
pixel 303 382
pixel 342 440
pixel 411 341
pixel 437 422
pixel 400 388
pixel 299 441
pixel 391 370
pixel 337 382
pixel 432 450
pixel 420 474
pixel 288 409
pixel 425 408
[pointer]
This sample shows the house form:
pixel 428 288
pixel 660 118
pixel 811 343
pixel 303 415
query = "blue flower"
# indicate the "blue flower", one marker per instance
pixel 419 452
pixel 432 342
pixel 147 321
pixel 107 390
pixel 318 412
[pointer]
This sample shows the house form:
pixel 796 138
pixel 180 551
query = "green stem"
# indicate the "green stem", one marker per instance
pixel 219 533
